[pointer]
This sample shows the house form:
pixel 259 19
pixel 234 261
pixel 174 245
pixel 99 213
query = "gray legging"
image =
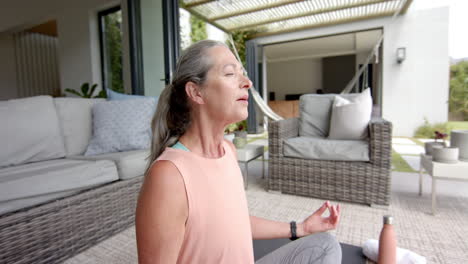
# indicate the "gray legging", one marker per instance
pixel 318 248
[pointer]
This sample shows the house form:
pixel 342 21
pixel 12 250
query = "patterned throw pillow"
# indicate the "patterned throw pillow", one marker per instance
pixel 114 96
pixel 121 126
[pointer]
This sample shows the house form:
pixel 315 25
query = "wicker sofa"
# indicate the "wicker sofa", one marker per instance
pixel 366 182
pixel 49 228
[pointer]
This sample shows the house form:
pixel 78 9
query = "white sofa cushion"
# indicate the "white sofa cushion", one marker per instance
pixel 121 126
pixel 53 176
pixel 350 118
pixel 29 131
pixel 130 164
pixel 315 112
pixel 76 122
pixel 20 203
pixel 326 149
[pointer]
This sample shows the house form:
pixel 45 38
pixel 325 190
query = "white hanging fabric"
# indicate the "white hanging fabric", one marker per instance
pixel 256 96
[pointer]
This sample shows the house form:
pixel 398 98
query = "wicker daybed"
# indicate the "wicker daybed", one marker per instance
pixel 55 231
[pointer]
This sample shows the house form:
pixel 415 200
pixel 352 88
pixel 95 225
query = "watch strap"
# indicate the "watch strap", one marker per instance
pixel 293 230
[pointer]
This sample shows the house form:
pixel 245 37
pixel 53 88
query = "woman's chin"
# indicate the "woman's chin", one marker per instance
pixel 238 118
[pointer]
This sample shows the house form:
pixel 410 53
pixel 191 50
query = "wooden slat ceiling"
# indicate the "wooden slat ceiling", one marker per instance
pixel 268 17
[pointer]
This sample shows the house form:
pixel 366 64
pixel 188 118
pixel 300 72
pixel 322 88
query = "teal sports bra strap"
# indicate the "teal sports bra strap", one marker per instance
pixel 179 145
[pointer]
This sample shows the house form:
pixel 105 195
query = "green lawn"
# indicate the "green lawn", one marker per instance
pixel 457 125
pixel 399 164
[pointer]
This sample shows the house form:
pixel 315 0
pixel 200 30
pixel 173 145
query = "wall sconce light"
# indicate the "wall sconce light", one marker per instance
pixel 401 54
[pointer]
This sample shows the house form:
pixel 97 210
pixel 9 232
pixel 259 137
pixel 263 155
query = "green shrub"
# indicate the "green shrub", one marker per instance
pixel 239 126
pixel 198 29
pixel 427 130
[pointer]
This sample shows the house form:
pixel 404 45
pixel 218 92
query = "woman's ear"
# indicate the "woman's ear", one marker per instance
pixel 194 93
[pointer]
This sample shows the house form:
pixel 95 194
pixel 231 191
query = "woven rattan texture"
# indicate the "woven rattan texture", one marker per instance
pixel 353 181
pixel 55 231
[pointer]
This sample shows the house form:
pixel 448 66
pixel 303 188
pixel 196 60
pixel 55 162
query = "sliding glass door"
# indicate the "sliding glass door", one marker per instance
pixel 154 44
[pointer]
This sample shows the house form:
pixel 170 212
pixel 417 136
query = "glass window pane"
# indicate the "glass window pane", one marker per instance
pixel 111 48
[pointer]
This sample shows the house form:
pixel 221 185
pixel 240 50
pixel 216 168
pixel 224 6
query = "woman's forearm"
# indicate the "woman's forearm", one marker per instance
pixel 267 229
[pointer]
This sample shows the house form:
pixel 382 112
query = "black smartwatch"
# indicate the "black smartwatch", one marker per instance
pixel 293 230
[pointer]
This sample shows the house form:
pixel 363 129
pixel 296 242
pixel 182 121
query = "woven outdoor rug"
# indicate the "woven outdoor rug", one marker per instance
pixel 441 239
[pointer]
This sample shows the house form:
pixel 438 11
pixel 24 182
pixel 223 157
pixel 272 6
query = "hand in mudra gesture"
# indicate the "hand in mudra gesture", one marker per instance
pixel 316 223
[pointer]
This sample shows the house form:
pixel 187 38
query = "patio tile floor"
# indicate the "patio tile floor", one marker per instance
pixel 408 149
pixel 405 141
pixel 413 161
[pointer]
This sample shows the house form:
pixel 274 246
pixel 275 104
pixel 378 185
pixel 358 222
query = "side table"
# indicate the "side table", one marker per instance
pixel 249 153
pixel 441 171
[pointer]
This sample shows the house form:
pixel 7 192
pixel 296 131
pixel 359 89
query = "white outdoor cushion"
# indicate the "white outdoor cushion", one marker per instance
pixel 121 126
pixel 350 118
pixel 326 149
pixel 130 164
pixel 13 205
pixel 29 131
pixel 314 114
pixel 53 176
pixel 75 115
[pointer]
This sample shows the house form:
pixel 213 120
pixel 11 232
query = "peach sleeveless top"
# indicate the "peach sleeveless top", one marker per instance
pixel 218 225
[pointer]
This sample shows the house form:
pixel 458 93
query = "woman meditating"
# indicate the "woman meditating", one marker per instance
pixel 192 206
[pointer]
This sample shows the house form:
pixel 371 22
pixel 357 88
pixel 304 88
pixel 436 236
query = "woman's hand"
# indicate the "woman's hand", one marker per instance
pixel 316 223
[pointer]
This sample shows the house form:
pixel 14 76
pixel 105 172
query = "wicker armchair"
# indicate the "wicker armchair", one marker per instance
pixel 353 181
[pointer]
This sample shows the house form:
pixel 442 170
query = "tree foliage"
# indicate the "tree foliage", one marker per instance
pixel 113 44
pixel 198 29
pixel 458 96
pixel 240 38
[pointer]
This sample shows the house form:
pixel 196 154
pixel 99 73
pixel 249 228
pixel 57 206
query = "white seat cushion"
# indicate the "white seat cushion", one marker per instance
pixel 53 176
pixel 20 203
pixel 75 115
pixel 29 131
pixel 130 164
pixel 326 149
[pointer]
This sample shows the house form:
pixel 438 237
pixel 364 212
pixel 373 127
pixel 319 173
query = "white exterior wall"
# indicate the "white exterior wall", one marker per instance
pixel 416 89
pixel 78 37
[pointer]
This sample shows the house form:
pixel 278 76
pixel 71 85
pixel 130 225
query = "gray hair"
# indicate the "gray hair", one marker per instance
pixel 172 116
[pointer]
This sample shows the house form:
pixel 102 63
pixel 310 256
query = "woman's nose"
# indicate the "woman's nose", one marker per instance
pixel 246 83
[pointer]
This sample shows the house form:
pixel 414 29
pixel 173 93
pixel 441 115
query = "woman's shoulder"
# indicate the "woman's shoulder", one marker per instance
pixel 162 169
pixel 163 176
pixel 161 182
pixel 231 146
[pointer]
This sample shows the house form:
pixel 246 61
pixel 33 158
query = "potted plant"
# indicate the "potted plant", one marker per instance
pixel 430 145
pixel 87 92
pixel 240 135
pixel 459 138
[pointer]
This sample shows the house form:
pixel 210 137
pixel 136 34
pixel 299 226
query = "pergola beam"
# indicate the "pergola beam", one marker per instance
pixel 315 12
pixel 341 21
pixel 252 10
pixel 406 6
pixel 202 2
pixel 195 13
